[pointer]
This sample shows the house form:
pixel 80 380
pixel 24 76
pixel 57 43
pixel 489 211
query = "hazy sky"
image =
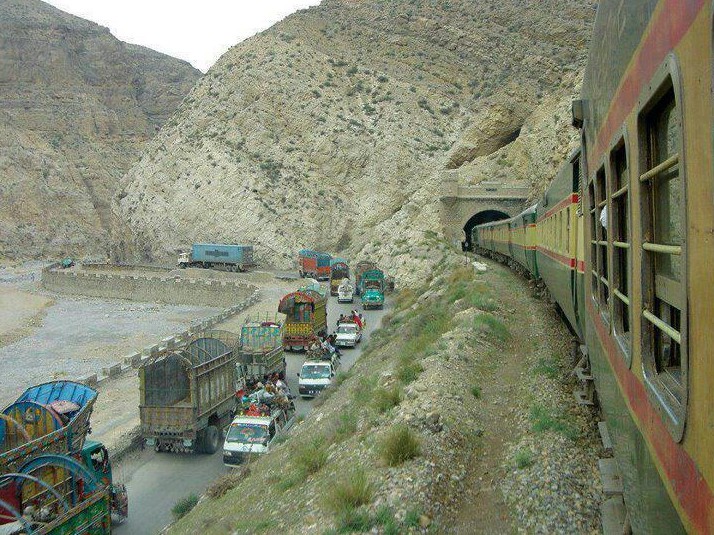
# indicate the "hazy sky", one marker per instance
pixel 197 31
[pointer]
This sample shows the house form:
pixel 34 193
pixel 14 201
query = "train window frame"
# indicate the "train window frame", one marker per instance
pixel 598 188
pixel 621 298
pixel 669 394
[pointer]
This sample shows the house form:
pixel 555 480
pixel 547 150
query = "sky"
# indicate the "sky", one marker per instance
pixel 196 31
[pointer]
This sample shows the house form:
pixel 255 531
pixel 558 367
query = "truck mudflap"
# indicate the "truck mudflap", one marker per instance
pixel 119 501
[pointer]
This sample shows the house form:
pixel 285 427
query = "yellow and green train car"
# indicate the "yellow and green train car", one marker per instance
pixel 625 244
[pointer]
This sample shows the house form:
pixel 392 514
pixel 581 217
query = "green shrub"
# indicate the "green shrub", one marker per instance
pixel 491 325
pixel 408 371
pixel 350 493
pixel 386 398
pixel 311 456
pixel 481 301
pixel 543 419
pixel 476 391
pixel 182 507
pixel 346 424
pixel 354 521
pixel 411 520
pixel 400 444
pixel 523 458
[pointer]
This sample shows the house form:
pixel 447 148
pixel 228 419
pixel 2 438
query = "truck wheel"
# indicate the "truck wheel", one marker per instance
pixel 211 437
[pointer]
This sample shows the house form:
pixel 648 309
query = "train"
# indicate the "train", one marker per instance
pixel 623 240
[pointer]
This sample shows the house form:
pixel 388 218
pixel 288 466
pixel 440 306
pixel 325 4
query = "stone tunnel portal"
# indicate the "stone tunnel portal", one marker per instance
pixel 485 216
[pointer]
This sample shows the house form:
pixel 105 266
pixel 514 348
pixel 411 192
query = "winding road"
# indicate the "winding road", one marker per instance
pixel 156 481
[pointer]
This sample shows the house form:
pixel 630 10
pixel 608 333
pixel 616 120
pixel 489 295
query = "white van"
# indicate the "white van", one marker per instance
pixel 315 376
pixel 255 434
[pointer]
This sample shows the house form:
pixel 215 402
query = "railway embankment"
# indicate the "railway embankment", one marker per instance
pixel 456 417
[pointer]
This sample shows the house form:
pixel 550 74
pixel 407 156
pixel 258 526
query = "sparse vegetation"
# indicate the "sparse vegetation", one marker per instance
pixel 476 391
pixel 491 325
pixel 182 507
pixel 352 491
pixel 543 419
pixel 399 445
pixel 523 458
pixel 547 367
pixel 387 398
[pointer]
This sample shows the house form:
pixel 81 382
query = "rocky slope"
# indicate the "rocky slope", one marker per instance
pixel 76 107
pixel 329 129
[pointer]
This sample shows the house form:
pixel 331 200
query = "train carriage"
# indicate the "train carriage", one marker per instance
pixel 625 243
pixel 557 238
pixel 649 215
pixel 522 229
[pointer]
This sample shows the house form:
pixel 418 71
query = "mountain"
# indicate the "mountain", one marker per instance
pixel 330 129
pixel 76 107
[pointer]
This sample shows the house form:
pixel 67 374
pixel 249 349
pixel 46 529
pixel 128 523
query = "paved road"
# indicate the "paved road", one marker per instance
pixel 156 481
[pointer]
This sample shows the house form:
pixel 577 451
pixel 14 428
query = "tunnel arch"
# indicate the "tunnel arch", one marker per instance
pixel 479 218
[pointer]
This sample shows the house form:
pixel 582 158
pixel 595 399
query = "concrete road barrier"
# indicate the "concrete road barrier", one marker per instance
pixel 89 379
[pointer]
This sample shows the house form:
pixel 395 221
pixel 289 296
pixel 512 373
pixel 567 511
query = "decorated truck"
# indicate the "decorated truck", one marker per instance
pixel 372 289
pixel 314 264
pixel 218 256
pixel 48 418
pixel 43 446
pixel 338 270
pixel 260 352
pixel 55 494
pixel 305 316
pixel 360 269
pixel 187 396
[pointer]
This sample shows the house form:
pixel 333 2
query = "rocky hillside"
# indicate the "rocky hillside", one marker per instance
pixel 329 130
pixel 76 107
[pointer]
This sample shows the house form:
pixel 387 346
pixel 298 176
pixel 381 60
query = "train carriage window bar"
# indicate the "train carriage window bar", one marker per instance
pixel 664 306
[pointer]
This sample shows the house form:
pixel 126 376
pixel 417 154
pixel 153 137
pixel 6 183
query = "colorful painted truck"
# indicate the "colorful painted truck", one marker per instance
pixel 218 256
pixel 55 494
pixel 260 352
pixel 305 316
pixel 314 264
pixel 372 289
pixel 360 269
pixel 188 396
pixel 339 269
pixel 48 418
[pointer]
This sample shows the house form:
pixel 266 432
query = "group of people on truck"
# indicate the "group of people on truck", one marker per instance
pixel 352 317
pixel 263 397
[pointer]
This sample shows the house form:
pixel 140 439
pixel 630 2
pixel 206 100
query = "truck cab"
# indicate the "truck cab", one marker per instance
pixel 348 334
pixel 254 434
pixel 95 458
pixel 315 376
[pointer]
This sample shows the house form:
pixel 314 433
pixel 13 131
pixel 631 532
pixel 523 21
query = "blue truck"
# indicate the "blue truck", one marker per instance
pixel 218 256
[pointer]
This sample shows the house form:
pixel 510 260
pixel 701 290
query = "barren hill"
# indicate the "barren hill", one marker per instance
pixel 329 129
pixel 76 107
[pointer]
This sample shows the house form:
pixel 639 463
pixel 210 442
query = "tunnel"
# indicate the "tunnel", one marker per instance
pixel 485 216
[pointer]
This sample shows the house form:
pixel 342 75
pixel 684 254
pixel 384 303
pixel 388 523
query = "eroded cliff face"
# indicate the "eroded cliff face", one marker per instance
pixel 329 130
pixel 76 107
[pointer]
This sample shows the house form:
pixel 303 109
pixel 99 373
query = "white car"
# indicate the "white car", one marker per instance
pixel 254 434
pixel 348 335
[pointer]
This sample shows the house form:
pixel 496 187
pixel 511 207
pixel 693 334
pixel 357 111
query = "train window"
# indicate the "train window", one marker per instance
pixel 593 240
pixel 664 307
pixel 620 237
pixel 600 216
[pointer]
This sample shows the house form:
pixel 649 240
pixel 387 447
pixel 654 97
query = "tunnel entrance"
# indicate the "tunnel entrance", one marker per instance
pixel 485 216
